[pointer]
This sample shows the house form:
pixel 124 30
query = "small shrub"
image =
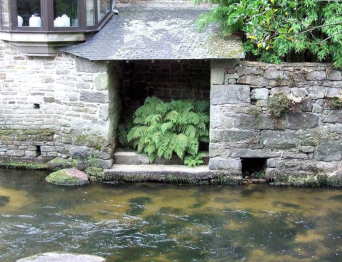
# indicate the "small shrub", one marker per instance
pixel 280 105
pixel 194 160
pixel 334 103
pixel 162 129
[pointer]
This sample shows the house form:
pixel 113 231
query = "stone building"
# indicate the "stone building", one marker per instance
pixel 61 87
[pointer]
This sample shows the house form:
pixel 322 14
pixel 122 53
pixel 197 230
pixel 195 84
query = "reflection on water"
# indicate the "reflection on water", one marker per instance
pixel 155 222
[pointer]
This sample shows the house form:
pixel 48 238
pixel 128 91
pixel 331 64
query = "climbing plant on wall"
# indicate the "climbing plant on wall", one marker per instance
pixel 275 29
pixel 164 128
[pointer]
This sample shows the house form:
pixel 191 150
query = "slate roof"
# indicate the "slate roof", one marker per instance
pixel 157 33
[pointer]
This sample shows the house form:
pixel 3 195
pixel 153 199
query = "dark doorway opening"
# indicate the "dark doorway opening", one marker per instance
pixel 253 167
pixel 38 151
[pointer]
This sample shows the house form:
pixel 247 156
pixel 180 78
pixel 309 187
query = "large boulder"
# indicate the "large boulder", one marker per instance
pixel 68 177
pixel 65 257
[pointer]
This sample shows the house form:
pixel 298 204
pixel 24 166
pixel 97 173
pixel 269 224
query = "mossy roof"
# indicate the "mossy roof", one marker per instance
pixel 157 33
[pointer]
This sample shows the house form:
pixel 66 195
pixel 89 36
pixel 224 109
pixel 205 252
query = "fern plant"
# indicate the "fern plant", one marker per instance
pixel 194 160
pixel 164 128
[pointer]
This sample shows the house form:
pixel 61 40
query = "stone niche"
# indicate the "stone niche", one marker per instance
pixel 166 79
pixel 305 142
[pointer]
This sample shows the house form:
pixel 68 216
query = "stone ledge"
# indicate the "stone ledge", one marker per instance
pixel 170 174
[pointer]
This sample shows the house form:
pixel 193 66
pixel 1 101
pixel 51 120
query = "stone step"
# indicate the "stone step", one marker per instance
pixel 122 157
pixel 170 174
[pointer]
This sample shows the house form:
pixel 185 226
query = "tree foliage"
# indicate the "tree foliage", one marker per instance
pixel 275 28
pixel 161 128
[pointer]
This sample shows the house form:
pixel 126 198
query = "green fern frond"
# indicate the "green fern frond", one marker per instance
pixel 163 129
pixel 166 126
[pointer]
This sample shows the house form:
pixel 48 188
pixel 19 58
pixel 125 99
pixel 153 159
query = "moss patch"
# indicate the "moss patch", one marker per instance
pixel 23 165
pixel 27 135
pixel 95 173
pixel 62 178
pixel 93 141
pixel 60 163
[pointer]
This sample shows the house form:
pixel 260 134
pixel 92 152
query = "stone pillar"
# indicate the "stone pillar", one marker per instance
pixel 225 98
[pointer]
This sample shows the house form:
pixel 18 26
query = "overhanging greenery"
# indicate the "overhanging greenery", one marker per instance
pixel 275 29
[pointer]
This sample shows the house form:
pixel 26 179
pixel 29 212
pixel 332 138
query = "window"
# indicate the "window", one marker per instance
pixel 4 13
pixel 90 10
pixel 103 7
pixel 65 13
pixel 29 13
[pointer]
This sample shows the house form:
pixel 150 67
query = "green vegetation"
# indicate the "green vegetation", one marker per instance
pixel 11 164
pixel 161 129
pixel 62 178
pixel 282 30
pixel 124 126
pixel 280 105
pixel 334 103
pixel 194 160
pixel 95 173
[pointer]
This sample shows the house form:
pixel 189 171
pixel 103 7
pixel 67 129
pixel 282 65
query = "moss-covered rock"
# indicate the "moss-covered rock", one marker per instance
pixel 68 177
pixel 60 163
pixel 335 179
pixel 95 173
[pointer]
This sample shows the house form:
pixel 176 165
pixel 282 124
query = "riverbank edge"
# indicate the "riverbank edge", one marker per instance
pixel 222 178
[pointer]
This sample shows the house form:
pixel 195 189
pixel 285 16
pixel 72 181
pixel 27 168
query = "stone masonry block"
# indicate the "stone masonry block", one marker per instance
pixel 218 163
pixel 253 80
pixel 254 153
pixel 329 150
pixel 101 82
pixel 278 139
pixel 316 76
pixel 335 75
pixel 217 76
pixel 335 116
pixel 229 94
pixel 84 65
pixel 215 116
pixel 233 135
pixel 260 93
pixel 302 121
pixel 94 97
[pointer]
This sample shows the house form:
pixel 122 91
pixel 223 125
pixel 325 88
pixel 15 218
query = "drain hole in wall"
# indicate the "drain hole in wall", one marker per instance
pixel 36 106
pixel 253 167
pixel 38 151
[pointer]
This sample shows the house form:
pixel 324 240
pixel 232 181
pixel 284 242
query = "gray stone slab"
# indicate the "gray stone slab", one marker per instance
pixel 328 150
pixel 233 136
pixel 229 94
pixel 334 116
pixel 302 121
pixel 278 139
pixel 152 33
pixel 220 163
pixel 168 173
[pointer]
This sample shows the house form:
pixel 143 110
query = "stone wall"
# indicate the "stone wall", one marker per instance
pixel 308 141
pixel 53 107
pixel 165 79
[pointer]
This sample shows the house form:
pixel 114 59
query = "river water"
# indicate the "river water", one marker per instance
pixel 159 222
